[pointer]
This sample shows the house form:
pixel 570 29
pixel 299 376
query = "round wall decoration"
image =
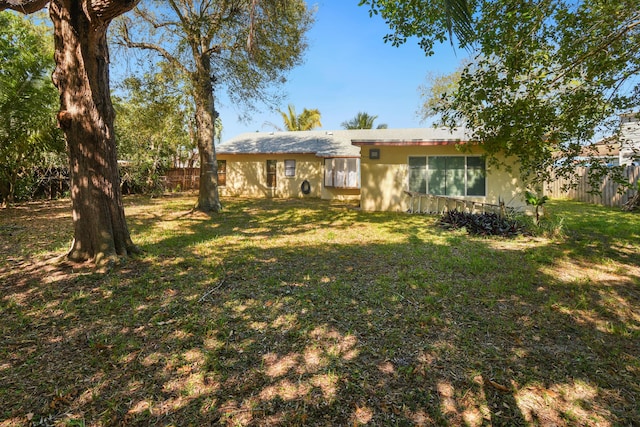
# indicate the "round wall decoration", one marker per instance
pixel 305 187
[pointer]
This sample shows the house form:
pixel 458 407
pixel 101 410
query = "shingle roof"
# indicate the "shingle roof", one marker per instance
pixel 337 143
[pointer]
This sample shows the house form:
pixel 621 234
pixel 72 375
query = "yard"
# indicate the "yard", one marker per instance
pixel 305 313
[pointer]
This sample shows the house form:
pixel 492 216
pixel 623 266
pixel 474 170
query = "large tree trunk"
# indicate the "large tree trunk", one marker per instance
pixel 208 196
pixel 86 117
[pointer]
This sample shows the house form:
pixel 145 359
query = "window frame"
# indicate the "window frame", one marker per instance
pixel 417 170
pixel 222 172
pixel 446 176
pixel 332 176
pixel 272 173
pixel 288 168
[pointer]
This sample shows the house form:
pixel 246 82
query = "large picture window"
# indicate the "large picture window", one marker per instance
pixel 448 175
pixel 476 182
pixel 342 173
pixel 418 174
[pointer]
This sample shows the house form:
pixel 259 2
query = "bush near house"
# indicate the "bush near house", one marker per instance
pixel 484 224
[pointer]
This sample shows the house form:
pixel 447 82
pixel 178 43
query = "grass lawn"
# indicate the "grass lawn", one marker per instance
pixel 286 313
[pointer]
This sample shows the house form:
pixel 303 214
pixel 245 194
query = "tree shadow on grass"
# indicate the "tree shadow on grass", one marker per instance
pixel 271 328
pixel 597 232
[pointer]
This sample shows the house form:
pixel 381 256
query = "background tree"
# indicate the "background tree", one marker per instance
pixel 547 77
pixel 86 118
pixel 307 120
pixel 28 101
pixel 245 47
pixel 152 127
pixel 435 91
pixel 362 121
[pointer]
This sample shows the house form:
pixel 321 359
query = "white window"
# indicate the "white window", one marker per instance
pixel 290 168
pixel 448 175
pixel 342 172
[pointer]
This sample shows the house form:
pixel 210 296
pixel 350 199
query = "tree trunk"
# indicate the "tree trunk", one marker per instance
pixel 86 117
pixel 208 196
pixel 13 180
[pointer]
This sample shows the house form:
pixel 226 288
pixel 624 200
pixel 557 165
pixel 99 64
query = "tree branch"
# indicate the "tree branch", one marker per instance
pixel 23 6
pixel 601 47
pixel 106 10
pixel 252 26
pixel 154 47
pixel 216 49
pixel 153 22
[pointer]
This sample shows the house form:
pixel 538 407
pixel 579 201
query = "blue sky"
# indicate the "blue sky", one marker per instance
pixel 348 68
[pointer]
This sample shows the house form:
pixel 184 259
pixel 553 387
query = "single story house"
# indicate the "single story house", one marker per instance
pixel 605 151
pixel 379 167
pixel 623 148
pixel 320 164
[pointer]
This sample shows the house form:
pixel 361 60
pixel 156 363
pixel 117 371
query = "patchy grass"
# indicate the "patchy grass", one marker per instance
pixel 298 312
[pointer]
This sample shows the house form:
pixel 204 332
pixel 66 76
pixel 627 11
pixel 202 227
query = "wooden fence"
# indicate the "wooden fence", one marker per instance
pixel 609 194
pixel 181 179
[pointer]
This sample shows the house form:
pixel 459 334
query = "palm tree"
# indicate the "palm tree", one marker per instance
pixel 408 19
pixel 459 20
pixel 309 119
pixel 362 121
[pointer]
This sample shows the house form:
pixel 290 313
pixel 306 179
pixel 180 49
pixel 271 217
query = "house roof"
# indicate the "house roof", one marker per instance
pixel 337 143
pixel 417 136
pixel 320 143
pixel 607 147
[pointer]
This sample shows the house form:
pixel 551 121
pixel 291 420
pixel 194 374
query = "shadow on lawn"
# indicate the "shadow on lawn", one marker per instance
pixel 597 232
pixel 236 322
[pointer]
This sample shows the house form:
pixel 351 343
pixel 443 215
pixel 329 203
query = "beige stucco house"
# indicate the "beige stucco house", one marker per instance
pixel 380 167
pixel 320 164
pixel 430 161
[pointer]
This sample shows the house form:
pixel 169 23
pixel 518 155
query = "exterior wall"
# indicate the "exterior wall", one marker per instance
pixel 630 136
pixel 384 180
pixel 344 194
pixel 247 177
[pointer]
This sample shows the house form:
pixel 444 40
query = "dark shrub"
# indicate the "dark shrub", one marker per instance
pixel 484 224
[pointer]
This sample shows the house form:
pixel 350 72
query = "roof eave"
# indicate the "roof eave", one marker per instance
pixel 363 142
pixel 268 153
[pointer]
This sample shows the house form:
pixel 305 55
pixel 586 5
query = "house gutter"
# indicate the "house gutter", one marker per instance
pixel 413 142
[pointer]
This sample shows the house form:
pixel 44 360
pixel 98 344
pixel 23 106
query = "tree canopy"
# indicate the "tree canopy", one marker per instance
pixel 429 21
pixel 153 127
pixel 28 100
pixel 547 76
pixel 86 114
pixel 243 47
pixel 437 88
